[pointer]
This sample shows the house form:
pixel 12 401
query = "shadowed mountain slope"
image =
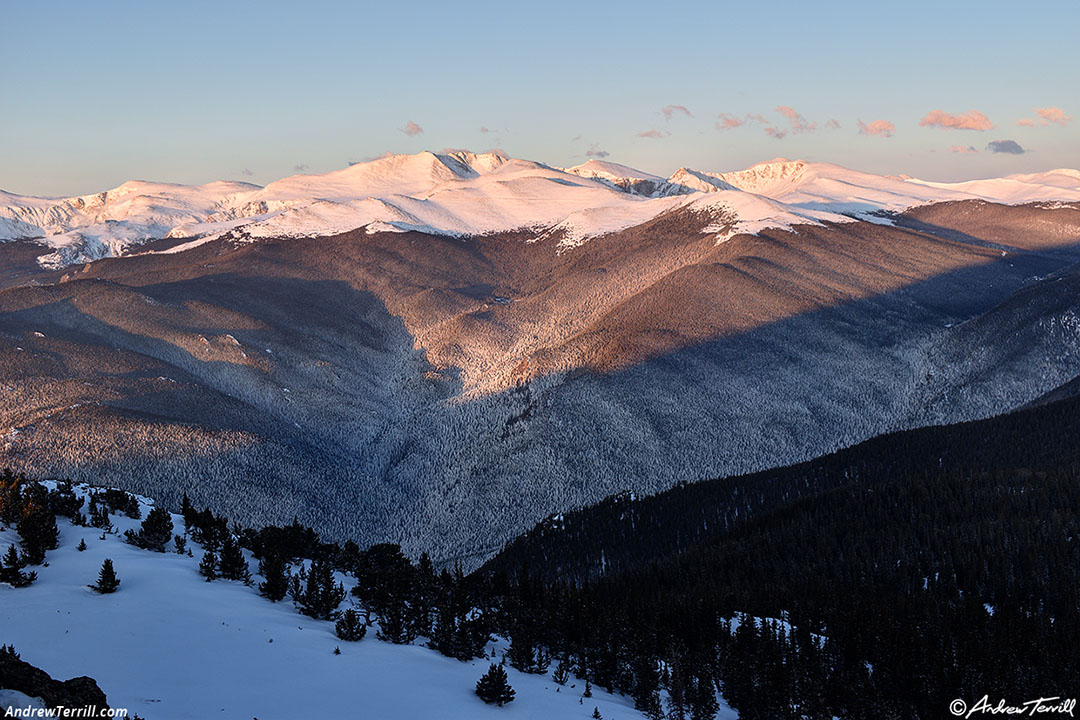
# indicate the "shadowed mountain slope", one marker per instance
pixel 448 393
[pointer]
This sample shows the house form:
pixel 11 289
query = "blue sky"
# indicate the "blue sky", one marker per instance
pixel 99 93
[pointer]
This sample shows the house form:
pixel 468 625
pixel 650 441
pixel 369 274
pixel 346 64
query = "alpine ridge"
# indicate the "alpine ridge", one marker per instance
pixel 461 193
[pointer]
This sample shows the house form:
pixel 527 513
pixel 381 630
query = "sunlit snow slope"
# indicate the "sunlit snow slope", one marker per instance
pixel 466 194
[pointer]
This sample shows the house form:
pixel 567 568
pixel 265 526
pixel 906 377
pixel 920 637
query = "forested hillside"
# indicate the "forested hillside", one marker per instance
pixel 623 532
pixel 906 572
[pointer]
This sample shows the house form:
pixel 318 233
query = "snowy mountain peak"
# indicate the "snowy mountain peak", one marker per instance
pixel 767 176
pixel 618 176
pixel 462 193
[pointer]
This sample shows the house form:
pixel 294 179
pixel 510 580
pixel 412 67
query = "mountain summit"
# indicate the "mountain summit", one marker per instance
pixel 461 193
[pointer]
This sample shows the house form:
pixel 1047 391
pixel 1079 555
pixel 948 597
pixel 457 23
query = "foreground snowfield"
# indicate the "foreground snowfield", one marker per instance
pixel 461 193
pixel 169 645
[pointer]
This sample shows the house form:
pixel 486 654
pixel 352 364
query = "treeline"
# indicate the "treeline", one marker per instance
pixel 881 582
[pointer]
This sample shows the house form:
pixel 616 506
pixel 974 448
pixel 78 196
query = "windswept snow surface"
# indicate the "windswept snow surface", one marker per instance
pixel 461 193
pixel 168 645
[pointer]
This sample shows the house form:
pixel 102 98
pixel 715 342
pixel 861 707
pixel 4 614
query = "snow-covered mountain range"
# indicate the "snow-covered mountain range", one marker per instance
pixel 464 194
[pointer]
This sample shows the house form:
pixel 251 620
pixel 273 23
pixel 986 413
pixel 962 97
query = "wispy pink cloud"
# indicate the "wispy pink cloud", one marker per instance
pixel 962 149
pixel 798 122
pixel 881 128
pixel 729 122
pixel 483 129
pixel 652 134
pixel 775 133
pixel 595 151
pixel 1052 115
pixel 670 110
pixel 412 128
pixel 971 120
pixel 1025 122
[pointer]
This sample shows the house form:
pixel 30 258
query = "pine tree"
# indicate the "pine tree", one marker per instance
pixel 276 584
pixel 395 625
pixel 11 569
pixel 208 566
pixel 37 528
pixel 350 626
pixel 180 543
pixel 99 514
pixel 188 512
pixel 596 714
pixel 562 672
pixel 494 687
pixel 81 546
pixel 702 699
pixel 524 655
pixel 107 580
pixel 588 689
pixel 233 565
pixel 155 532
pixel 646 691
pixel 315 593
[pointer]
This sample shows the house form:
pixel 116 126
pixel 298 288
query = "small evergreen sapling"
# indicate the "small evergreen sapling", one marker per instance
pixel 81 546
pixel 350 626
pixel 494 687
pixel 107 580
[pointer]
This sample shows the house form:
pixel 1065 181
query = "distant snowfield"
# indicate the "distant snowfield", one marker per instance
pixel 462 193
pixel 168 645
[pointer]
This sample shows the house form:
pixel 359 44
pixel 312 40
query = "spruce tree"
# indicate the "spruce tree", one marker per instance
pixel 233 565
pixel 315 593
pixel 562 672
pixel 494 687
pixel 350 626
pixel 11 569
pixel 646 692
pixel 702 699
pixel 188 512
pixel 81 546
pixel 155 532
pixel 208 566
pixel 37 528
pixel 395 624
pixel 107 580
pixel 276 584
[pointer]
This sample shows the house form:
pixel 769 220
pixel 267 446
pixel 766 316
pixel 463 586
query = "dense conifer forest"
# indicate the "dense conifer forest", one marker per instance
pixel 882 581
